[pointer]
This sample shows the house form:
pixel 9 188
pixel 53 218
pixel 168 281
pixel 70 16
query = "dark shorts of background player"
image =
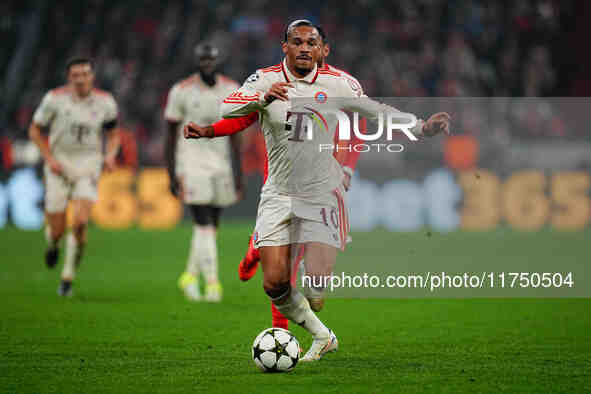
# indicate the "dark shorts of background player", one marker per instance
pixel 205 215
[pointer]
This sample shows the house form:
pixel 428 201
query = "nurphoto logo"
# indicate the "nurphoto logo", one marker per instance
pixel 302 124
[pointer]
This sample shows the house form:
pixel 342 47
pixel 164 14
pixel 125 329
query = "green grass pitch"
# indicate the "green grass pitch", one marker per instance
pixel 128 328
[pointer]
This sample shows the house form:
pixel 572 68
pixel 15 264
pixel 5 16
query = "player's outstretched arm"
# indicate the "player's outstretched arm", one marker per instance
pixel 221 128
pixel 112 148
pixel 370 109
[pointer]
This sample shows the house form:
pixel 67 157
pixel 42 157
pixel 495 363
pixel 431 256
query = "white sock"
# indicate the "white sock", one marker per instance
pixel 50 241
pixel 73 256
pixel 208 252
pixel 297 309
pixel 194 253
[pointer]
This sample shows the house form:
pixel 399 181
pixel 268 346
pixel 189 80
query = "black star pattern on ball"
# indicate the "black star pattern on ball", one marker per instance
pixel 279 348
pixel 257 352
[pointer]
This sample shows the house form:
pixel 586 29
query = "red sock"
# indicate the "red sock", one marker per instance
pixel 279 320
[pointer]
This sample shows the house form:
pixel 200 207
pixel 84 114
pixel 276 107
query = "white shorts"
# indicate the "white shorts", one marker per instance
pixel 59 190
pixel 209 189
pixel 285 220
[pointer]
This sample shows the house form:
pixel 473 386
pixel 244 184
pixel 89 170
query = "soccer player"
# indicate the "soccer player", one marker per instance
pixel 201 173
pixel 77 116
pixel 303 183
pixel 346 156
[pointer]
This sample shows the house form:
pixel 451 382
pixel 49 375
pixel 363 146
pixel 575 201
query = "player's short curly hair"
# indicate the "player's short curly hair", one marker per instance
pixel 78 60
pixel 303 22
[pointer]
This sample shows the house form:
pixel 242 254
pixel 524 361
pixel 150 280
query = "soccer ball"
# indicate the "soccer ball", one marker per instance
pixel 275 350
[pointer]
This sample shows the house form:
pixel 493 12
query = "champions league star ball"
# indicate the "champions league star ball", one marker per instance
pixel 275 350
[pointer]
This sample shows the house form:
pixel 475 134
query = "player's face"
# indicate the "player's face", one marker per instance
pixel 303 48
pixel 207 65
pixel 81 77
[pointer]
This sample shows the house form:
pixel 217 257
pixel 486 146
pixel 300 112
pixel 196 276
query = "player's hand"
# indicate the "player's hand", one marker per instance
pixel 110 163
pixel 278 91
pixel 55 166
pixel 176 187
pixel 436 124
pixel 193 131
pixel 347 182
pixel 239 189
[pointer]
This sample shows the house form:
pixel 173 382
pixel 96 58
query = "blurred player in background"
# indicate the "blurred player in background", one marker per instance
pixel 304 186
pixel 201 174
pixel 77 116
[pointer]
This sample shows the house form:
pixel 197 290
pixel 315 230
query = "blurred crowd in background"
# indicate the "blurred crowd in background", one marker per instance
pixel 400 48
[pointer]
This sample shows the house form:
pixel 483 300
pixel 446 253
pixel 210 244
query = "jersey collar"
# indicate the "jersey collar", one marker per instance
pixel 310 78
pixel 77 99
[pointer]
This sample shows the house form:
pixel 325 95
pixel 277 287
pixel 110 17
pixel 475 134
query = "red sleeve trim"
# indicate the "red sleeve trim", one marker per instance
pixel 231 126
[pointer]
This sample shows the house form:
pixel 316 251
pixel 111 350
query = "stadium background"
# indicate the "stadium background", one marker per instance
pixel 410 49
pixel 128 329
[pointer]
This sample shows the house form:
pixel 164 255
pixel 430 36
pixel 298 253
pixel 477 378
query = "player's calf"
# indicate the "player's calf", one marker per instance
pixel 319 262
pixel 54 231
pixel 315 296
pixel 76 240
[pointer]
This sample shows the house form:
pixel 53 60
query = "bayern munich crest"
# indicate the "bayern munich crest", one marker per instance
pixel 320 97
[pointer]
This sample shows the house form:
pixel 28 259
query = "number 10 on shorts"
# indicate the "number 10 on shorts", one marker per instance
pixel 334 217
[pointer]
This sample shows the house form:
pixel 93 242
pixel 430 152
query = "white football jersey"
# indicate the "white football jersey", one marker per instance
pixel 297 167
pixel 76 126
pixel 192 100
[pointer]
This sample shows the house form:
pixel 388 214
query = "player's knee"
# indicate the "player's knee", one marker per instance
pixel 277 290
pixel 57 232
pixel 79 229
pixel 80 224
